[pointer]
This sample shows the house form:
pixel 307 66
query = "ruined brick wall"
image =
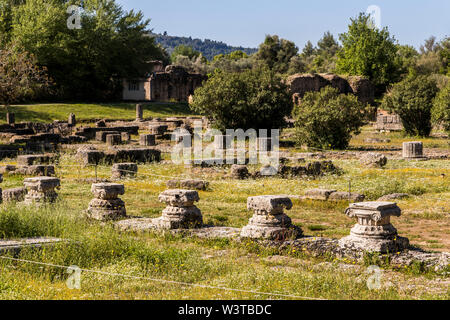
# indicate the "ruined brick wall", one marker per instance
pixel 175 84
pixel 301 83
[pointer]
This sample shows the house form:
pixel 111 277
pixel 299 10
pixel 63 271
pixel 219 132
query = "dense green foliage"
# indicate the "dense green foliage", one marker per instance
pixel 327 119
pixel 276 53
pixel 412 100
pixel 369 52
pixel 20 77
pixel 185 51
pixel 441 108
pixel 255 99
pixel 85 63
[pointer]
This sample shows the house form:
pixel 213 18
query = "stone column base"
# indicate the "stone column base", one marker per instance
pixel 391 244
pixel 106 210
pixel 179 218
pixel 271 233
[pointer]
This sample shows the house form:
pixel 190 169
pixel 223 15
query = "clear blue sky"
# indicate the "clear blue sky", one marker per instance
pixel 246 22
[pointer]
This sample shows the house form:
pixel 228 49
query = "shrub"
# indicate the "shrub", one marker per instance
pixel 412 100
pixel 252 99
pixel 441 108
pixel 327 119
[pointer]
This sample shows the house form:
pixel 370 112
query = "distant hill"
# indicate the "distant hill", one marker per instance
pixel 209 48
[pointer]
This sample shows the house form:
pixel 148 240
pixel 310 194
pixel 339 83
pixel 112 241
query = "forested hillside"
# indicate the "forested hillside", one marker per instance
pixel 209 48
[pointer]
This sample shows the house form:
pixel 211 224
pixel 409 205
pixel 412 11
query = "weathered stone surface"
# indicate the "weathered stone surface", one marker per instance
pixel 107 191
pixel 14 195
pixel 36 170
pixel 389 122
pixel 393 196
pixel 101 135
pixel 147 140
pixel 189 184
pixel 373 160
pixel 139 113
pixel 239 172
pixel 100 124
pixel 28 160
pixel 181 213
pixel 113 139
pixel 179 197
pixel 7 169
pixel 319 194
pixel 106 205
pixel 10 118
pixel 72 120
pixel 41 190
pixel 140 155
pixel 125 136
pixel 269 220
pixel 158 129
pixel 121 170
pixel 413 150
pixel 345 196
pixel 374 231
pixel 15 246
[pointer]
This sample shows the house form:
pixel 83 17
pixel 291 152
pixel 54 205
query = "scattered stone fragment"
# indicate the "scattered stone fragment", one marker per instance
pixel 106 205
pixel 345 196
pixel 36 170
pixel 180 213
pixel 239 172
pixel 373 160
pixel 100 124
pixel 122 170
pixel 319 194
pixel 10 118
pixel 158 129
pixel 148 140
pixel 189 184
pixel 41 190
pixel 393 196
pixel 7 169
pixel 374 231
pixel 139 113
pixel 269 220
pixel 14 195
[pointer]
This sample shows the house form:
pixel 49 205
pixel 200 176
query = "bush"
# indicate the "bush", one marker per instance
pixel 412 100
pixel 327 119
pixel 252 99
pixel 441 108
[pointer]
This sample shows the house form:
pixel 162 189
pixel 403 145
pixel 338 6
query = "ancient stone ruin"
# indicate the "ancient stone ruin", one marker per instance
pixel 139 113
pixel 14 195
pixel 388 122
pixel 106 205
pixel 113 139
pixel 189 184
pixel 148 140
pixel 332 195
pixel 180 213
pixel 300 84
pixel 374 231
pixel 269 220
pixel 413 150
pixel 123 170
pixel 373 160
pixel 41 190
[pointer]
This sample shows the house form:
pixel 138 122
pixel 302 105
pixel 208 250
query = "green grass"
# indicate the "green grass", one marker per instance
pixel 126 111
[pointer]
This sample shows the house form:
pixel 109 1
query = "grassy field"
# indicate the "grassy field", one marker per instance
pixel 223 263
pixel 50 112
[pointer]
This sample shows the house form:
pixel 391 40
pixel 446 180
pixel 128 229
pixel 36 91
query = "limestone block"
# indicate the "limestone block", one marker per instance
pixel 346 196
pixel 113 139
pixel 189 184
pixel 373 160
pixel 239 172
pixel 148 140
pixel 101 135
pixel 120 170
pixel 107 191
pixel 41 190
pixel 14 195
pixel 413 150
pixel 179 197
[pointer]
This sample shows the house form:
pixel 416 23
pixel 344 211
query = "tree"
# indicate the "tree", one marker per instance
pixel 276 53
pixel 309 49
pixel 256 99
pixel 441 108
pixel 20 77
pixel 327 45
pixel 327 119
pixel 369 52
pixel 185 51
pixel 86 63
pixel 412 100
